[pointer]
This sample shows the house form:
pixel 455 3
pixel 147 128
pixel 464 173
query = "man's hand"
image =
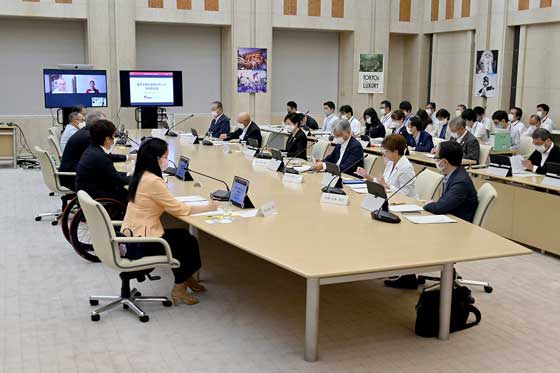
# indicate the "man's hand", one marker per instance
pixel 318 166
pixel 223 136
pixel 132 157
pixel 528 165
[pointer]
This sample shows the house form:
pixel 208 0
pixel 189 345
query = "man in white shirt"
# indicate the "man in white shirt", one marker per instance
pixel 385 115
pixel 347 113
pixel 501 121
pixel 482 118
pixel 76 121
pixel 515 114
pixel 542 112
pixel 475 127
pixel 534 123
pixel 431 110
pixel 330 116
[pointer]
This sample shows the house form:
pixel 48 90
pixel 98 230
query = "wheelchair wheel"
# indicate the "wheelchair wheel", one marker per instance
pixel 67 216
pixel 79 232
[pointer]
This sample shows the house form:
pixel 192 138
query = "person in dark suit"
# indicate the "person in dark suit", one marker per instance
pixel 348 153
pixel 417 137
pixel 374 127
pixel 397 124
pixel 96 173
pixel 246 129
pixel 296 145
pixel 470 145
pixel 220 124
pixel 546 152
pixel 459 197
pixel 308 122
pixel 77 145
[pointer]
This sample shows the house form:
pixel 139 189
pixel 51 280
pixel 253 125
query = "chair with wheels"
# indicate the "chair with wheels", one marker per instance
pixel 51 177
pixel 319 150
pixel 265 137
pixel 107 247
pixel 427 184
pixel 57 152
pixel 56 131
pixel 486 197
pixel 526 146
pixel 369 162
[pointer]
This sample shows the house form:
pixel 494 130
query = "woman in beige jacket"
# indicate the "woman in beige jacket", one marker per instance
pixel 148 199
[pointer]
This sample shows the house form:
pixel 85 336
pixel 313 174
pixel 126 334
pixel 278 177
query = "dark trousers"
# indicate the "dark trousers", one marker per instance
pixel 184 247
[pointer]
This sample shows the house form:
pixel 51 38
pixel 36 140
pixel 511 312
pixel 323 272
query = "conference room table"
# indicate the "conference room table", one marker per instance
pixel 525 210
pixel 344 244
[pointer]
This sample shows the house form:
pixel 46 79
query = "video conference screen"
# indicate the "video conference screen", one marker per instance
pixel 151 88
pixel 66 88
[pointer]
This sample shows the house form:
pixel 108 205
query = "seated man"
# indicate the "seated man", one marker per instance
pixel 75 122
pixel 546 152
pixel 417 138
pixel 459 197
pixel 220 124
pixel 469 143
pixel 77 145
pixel 96 173
pixel 246 129
pixel 348 153
pixel 308 122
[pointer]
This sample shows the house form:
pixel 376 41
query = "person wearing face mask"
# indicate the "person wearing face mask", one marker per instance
pixel 148 199
pixel 330 116
pixel 220 123
pixel 425 119
pixel 475 127
pixel 308 122
pixel 459 110
pixel 484 120
pixel 470 145
pixel 542 112
pixel 431 110
pixel 96 173
pixel 296 145
pixel 348 153
pixel 545 152
pixel 374 128
pixel 534 123
pixel 397 123
pixel 347 113
pixel 406 107
pixel 515 114
pixel 75 122
pixel 502 124
pixel 385 115
pixel 418 139
pixel 398 169
pixel 440 125
pixel 246 129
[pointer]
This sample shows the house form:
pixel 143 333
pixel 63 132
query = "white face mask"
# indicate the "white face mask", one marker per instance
pixel 290 128
pixel 382 112
pixel 453 134
pixel 510 117
pixel 409 130
pixel 214 114
pixel 240 126
pixel 327 113
pixel 439 165
pixel 368 120
pixel 429 111
pixel 540 148
pixel 81 124
pixel 163 164
pixel 540 114
pixel 458 113
pixel 338 140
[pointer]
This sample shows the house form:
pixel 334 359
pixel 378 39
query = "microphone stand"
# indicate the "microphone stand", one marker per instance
pixel 218 195
pixel 169 131
pixel 335 190
pixel 291 170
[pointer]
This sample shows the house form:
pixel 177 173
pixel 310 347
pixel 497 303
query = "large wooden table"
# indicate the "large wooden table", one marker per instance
pixel 336 244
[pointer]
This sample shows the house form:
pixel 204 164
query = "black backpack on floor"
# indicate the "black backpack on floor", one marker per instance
pixel 427 312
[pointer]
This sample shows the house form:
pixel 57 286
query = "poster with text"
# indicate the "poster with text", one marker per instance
pixel 486 73
pixel 251 70
pixel 370 76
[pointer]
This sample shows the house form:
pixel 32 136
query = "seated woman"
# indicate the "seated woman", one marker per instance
pixel 426 120
pixel 296 145
pixel 95 172
pixel 418 139
pixel 398 169
pixel 374 127
pixel 148 199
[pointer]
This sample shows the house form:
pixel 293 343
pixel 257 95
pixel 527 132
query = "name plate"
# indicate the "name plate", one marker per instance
pixel 274 164
pixel 250 152
pixel 330 179
pixel 498 171
pixel 227 149
pixel 292 178
pixel 335 199
pixel 188 139
pixel 268 209
pixel 364 143
pixel 260 163
pixel 372 203
pixel 551 181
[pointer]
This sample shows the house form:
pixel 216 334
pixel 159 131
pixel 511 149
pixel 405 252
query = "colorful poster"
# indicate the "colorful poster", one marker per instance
pixel 251 70
pixel 486 73
pixel 370 76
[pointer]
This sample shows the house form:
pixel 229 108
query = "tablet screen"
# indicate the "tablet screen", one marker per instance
pixel 182 168
pixel 239 190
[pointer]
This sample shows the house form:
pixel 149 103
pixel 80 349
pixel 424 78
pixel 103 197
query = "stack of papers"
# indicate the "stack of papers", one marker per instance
pixel 358 188
pixel 430 219
pixel 406 208
pixel 302 169
pixel 193 200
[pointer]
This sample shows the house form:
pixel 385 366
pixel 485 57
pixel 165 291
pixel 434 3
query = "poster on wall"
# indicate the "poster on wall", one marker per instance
pixel 251 70
pixel 370 76
pixel 486 73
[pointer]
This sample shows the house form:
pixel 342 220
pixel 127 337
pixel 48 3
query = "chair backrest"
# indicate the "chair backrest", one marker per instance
pixel 55 145
pixel 437 140
pixel 369 162
pixel 427 184
pixel 48 170
pixel 56 132
pixel 486 197
pixel 319 149
pixel 484 154
pixel 101 231
pixel 526 146
pixel 265 137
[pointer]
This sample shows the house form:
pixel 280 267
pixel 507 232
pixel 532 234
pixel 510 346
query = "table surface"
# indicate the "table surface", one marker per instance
pixel 316 240
pixel 414 156
pixel 531 181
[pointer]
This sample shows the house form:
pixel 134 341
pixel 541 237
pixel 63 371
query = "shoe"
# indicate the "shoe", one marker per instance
pixel 195 285
pixel 179 294
pixel 404 282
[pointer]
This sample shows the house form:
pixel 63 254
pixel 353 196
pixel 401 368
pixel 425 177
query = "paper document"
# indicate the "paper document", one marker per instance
pixel 196 203
pixel 303 168
pixel 360 190
pixel 517 165
pixel 406 208
pixel 246 213
pixel 210 213
pixel 190 198
pixel 430 219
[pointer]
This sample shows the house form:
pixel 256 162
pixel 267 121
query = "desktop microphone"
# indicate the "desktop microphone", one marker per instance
pixel 218 195
pixel 335 190
pixel 169 131
pixel 387 216
pixel 291 170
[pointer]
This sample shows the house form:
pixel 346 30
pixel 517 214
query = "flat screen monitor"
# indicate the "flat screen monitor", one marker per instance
pixel 67 88
pixel 151 88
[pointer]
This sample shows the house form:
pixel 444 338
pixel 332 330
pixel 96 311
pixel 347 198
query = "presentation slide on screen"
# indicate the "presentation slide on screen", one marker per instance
pixel 151 88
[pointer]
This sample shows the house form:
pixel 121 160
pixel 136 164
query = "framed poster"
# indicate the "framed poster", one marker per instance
pixel 251 70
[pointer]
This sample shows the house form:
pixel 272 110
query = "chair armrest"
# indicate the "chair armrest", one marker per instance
pixel 147 240
pixel 59 173
pixel 117 223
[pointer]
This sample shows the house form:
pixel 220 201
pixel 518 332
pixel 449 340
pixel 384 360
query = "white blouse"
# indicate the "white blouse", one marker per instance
pixel 398 175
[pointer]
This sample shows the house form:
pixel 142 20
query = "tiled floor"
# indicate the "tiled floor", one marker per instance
pixel 252 319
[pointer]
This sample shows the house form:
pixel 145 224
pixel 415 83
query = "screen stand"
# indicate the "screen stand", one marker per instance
pixel 148 117
pixel 248 204
pixel 62 115
pixel 188 176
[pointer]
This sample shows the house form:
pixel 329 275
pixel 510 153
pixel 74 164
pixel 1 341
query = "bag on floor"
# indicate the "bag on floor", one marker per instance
pixel 427 312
